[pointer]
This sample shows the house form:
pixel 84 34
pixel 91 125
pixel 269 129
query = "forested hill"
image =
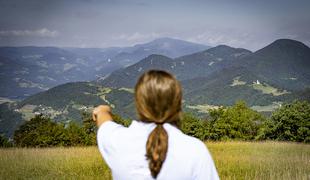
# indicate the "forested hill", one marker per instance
pixel 199 64
pixel 29 70
pixel 216 77
pixel 284 63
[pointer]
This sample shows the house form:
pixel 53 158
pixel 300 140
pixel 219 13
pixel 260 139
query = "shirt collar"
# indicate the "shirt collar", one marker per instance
pixel 149 125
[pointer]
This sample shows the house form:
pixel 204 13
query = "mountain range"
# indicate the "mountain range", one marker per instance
pixel 29 70
pixel 210 78
pixel 199 64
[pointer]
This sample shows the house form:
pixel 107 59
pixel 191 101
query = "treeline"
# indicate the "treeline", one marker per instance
pixel 41 131
pixel 291 122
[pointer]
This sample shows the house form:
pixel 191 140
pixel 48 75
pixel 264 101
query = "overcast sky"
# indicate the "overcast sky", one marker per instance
pixel 250 24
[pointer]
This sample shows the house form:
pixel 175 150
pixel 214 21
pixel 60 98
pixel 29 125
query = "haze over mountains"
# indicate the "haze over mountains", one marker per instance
pixel 222 75
pixel 199 64
pixel 28 70
pixel 212 77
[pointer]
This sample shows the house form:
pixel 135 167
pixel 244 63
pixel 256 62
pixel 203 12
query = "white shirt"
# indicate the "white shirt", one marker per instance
pixel 124 151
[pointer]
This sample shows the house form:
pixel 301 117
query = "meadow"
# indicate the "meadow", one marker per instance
pixel 234 160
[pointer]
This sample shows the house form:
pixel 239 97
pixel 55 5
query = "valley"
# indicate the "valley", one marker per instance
pixel 212 78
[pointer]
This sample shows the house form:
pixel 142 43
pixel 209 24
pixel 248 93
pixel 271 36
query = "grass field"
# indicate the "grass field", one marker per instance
pixel 234 160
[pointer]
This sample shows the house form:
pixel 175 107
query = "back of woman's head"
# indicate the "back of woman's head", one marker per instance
pixel 158 97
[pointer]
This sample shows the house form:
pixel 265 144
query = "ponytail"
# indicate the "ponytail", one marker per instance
pixel 158 99
pixel 156 149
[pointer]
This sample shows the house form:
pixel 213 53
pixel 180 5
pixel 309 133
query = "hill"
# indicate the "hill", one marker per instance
pixel 29 70
pixel 222 75
pixel 284 63
pixel 210 79
pixel 199 64
pixel 65 103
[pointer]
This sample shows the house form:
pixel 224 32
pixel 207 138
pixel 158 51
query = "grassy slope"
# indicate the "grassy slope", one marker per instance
pixel 234 160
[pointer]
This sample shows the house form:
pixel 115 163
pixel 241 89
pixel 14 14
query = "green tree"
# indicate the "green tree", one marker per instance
pixel 4 142
pixel 291 122
pixel 40 131
pixel 90 129
pixel 75 135
pixel 119 120
pixel 236 122
pixel 193 126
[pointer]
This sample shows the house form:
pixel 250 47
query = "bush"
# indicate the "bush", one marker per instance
pixel 236 122
pixel 291 122
pixel 4 142
pixel 119 120
pixel 193 126
pixel 89 128
pixel 40 131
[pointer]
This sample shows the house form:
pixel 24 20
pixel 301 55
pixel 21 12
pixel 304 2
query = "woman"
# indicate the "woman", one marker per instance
pixel 153 147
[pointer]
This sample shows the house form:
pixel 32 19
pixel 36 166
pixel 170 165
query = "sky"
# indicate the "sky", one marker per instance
pixel 250 24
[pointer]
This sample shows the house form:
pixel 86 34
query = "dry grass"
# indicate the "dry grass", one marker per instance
pixel 261 160
pixel 53 163
pixel 234 160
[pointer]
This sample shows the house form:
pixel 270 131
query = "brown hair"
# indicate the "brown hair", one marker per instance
pixel 158 98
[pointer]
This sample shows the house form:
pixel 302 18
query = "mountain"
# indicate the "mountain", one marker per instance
pixel 229 85
pixel 222 75
pixel 162 46
pixel 29 70
pixel 265 79
pixel 186 67
pixel 210 79
pixel 65 103
pixel 204 63
pixel 170 47
pixel 127 77
pixel 284 63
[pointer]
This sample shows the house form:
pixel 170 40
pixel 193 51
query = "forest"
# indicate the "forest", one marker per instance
pixel 291 122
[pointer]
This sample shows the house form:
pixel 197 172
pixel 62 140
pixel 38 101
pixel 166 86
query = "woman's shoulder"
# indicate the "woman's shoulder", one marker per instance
pixel 188 143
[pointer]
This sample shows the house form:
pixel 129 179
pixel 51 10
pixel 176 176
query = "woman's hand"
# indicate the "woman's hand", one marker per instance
pixel 102 114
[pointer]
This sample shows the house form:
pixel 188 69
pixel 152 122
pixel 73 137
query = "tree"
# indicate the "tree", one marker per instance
pixel 236 122
pixel 119 120
pixel 40 131
pixel 75 135
pixel 193 126
pixel 291 122
pixel 4 142
pixel 90 129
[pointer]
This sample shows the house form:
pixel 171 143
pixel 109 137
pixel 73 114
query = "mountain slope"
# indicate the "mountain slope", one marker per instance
pixel 212 78
pixel 284 63
pixel 127 77
pixel 204 63
pixel 227 86
pixel 170 47
pixel 28 70
pixel 65 103
pixel 186 67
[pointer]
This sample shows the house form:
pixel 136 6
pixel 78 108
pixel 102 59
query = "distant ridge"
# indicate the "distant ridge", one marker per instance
pixel 185 67
pixel 218 76
pixel 29 70
pixel 284 63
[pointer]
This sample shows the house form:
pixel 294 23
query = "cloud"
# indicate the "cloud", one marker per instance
pixel 137 36
pixel 216 38
pixel 44 32
pixel 230 37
